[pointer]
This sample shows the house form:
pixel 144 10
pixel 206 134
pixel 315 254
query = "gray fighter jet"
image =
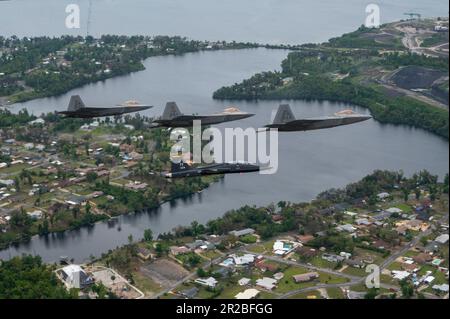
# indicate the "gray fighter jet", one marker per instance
pixel 285 120
pixel 172 117
pixel 182 169
pixel 77 109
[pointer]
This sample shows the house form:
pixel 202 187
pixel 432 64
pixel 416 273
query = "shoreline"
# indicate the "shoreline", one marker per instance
pixel 106 219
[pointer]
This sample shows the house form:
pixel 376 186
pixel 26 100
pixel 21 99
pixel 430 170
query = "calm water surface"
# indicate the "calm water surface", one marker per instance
pixel 309 162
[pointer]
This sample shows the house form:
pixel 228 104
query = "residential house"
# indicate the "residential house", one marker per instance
pixel 242 232
pixel 37 214
pixel 422 258
pixel 283 247
pixel 381 244
pixel 304 239
pixel 174 250
pixel 442 239
pixel 144 253
pixel 75 277
pixel 243 260
pixel 356 263
pixel 266 283
pixel 347 228
pixel 306 277
pixel 136 156
pixel 383 195
pixel 441 288
pixel 208 282
pixel 136 186
pixel 307 252
pixel 76 200
pixel 222 272
pixel 190 293
pixel 400 275
pixel 266 266
pixel 333 258
pixel 363 222
pixel 244 281
pixel 248 294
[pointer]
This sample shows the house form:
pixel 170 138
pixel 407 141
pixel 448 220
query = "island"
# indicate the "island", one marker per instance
pixel 398 71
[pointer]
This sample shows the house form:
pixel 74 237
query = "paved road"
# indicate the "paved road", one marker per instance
pixel 353 280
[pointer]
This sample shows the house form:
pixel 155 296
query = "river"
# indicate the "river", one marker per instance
pixel 309 162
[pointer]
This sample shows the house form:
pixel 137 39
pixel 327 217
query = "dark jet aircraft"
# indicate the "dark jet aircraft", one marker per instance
pixel 77 109
pixel 172 117
pixel 185 170
pixel 285 120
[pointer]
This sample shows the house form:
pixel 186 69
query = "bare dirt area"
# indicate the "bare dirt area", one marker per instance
pixel 414 77
pixel 164 272
pixel 115 283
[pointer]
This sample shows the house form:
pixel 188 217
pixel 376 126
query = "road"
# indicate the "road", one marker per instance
pixel 385 80
pixel 353 280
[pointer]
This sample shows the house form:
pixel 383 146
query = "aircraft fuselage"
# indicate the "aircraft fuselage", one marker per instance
pixel 213 169
pixel 317 124
pixel 90 112
pixel 188 120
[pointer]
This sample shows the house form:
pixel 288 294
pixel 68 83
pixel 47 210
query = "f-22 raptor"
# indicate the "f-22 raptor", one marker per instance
pixel 180 170
pixel 78 109
pixel 172 117
pixel 285 120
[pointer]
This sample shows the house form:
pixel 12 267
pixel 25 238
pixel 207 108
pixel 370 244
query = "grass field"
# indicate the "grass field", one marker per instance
pixel 319 262
pixel 335 293
pixel 355 271
pixel 145 284
pixel 257 249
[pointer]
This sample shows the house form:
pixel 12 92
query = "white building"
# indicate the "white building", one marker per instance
pixel 400 275
pixel 243 260
pixel 37 214
pixel 37 121
pixel 347 228
pixel 243 281
pixel 247 294
pixel 441 288
pixel 242 232
pixel 363 221
pixel 266 283
pixel 442 239
pixel 281 247
pixel 208 282
pixel 394 210
pixel 75 277
pixel 383 195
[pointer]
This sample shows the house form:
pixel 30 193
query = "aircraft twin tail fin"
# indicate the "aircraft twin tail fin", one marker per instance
pixel 283 115
pixel 75 103
pixel 171 111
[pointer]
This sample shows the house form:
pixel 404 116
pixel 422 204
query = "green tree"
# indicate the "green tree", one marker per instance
pixel 407 289
pixel 27 277
pixel 148 235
